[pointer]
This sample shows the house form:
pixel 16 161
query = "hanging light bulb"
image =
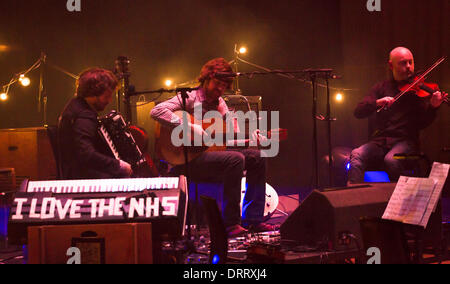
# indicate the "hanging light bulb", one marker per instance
pixel 243 50
pixel 24 81
pixel 339 97
pixel 168 82
pixel 3 96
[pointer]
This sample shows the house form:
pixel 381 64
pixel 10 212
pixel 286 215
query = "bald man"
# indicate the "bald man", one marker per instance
pixel 396 129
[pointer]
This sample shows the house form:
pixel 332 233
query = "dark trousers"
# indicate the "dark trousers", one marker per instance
pixel 227 167
pixel 375 152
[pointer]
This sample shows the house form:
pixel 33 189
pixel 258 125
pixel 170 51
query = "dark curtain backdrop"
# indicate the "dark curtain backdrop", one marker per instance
pixel 174 38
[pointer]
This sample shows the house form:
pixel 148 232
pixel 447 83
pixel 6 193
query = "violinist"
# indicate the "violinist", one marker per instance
pixel 396 127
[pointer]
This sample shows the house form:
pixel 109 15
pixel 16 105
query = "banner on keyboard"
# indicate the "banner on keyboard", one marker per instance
pixel 45 207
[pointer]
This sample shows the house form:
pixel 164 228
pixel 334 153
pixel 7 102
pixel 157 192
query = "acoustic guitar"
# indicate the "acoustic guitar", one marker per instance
pixel 174 155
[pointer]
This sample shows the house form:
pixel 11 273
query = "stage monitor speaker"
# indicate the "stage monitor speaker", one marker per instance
pixel 324 216
pixel 129 243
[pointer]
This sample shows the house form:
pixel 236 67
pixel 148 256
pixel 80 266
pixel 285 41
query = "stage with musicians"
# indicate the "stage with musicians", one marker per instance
pixel 224 132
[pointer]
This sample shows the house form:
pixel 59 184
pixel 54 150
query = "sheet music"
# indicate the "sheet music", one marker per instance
pixel 439 174
pixel 409 202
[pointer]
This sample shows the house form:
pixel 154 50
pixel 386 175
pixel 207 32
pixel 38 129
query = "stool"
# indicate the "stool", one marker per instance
pixel 416 164
pixel 195 189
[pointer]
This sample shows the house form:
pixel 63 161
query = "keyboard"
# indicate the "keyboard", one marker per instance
pixel 156 200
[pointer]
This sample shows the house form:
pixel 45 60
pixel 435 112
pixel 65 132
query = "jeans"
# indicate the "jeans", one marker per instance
pixel 228 167
pixel 373 153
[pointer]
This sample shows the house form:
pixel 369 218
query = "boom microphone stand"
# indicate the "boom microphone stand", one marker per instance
pixel 325 74
pixel 189 245
pixel 312 76
pixel 184 96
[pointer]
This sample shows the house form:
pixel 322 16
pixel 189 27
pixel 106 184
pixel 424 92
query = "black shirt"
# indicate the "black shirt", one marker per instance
pixel 403 120
pixel 84 153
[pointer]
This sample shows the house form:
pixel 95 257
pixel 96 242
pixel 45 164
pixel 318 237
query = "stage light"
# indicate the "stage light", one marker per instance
pixel 339 97
pixel 243 50
pixel 216 259
pixel 3 96
pixel 3 48
pixel 25 81
pixel 348 166
pixel 168 83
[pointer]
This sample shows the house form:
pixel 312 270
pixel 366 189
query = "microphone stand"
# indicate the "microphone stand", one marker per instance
pixel 184 96
pixel 314 119
pixel 42 94
pixel 237 91
pixel 325 74
pixel 329 120
pixel 313 75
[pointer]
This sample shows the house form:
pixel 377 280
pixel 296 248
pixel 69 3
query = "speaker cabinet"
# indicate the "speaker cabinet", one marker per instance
pixel 29 152
pixel 129 243
pixel 244 104
pixel 324 217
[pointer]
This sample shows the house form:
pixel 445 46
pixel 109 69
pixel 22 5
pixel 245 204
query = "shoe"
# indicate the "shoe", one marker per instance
pixel 235 231
pixel 262 227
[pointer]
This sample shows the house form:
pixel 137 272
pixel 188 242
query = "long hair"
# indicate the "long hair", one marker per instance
pixel 95 81
pixel 211 67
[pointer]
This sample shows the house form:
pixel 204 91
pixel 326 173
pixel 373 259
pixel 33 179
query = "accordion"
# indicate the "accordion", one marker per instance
pixel 117 136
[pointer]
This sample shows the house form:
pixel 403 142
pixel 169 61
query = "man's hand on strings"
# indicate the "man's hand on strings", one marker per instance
pixel 438 98
pixel 257 138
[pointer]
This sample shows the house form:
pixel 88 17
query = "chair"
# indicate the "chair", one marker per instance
pixel 416 164
pixel 219 241
pixel 389 237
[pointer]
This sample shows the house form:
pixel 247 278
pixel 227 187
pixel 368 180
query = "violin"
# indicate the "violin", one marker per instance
pixel 417 85
pixel 420 88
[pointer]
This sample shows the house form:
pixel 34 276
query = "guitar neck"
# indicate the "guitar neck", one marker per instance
pixel 239 143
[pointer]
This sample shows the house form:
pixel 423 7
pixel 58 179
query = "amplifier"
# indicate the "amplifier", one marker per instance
pixel 28 151
pixel 129 243
pixel 244 103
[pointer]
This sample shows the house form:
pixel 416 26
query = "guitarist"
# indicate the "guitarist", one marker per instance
pixel 223 166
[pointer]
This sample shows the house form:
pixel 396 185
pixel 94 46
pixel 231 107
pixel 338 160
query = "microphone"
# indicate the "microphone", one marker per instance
pixel 219 75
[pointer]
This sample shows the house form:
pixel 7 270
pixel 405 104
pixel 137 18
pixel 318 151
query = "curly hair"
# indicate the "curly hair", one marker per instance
pixel 94 82
pixel 213 66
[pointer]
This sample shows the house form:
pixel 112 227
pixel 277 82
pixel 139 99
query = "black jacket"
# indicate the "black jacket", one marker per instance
pixel 403 120
pixel 84 153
